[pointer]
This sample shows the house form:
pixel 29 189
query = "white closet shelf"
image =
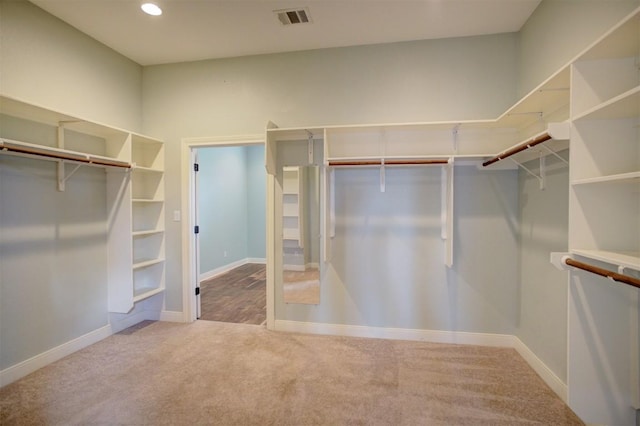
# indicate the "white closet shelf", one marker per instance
pixel 399 162
pixel 24 110
pixel 625 105
pixel 140 169
pixel 25 149
pixel 143 263
pixel 549 97
pixel 547 102
pixel 142 139
pixel 555 139
pixel 622 178
pixel 625 259
pixel 290 234
pixel 146 200
pixel 147 232
pixel 399 157
pixel 145 292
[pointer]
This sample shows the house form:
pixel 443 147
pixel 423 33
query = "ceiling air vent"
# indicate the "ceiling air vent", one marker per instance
pixel 293 16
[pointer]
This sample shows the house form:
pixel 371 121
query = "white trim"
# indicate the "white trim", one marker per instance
pixel 172 316
pixel 119 322
pixel 26 367
pixel 222 269
pixel 189 273
pixel 226 268
pixel 17 371
pixel 435 336
pixel 541 368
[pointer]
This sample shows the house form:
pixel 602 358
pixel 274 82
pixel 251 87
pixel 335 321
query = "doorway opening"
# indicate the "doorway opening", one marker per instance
pixel 225 230
pixel 230 216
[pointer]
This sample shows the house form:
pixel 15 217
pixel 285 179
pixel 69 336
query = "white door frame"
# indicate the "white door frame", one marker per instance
pixel 190 275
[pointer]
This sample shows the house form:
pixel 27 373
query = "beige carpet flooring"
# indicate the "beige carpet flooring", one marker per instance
pixel 210 373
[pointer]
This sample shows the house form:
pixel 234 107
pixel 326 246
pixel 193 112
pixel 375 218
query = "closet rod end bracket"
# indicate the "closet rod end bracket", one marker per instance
pixel 557 259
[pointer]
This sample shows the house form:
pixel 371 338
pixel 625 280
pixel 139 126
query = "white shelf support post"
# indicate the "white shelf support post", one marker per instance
pixel 61 167
pixel 447 211
pixel 454 134
pixel 310 147
pixel 382 177
pixel 543 171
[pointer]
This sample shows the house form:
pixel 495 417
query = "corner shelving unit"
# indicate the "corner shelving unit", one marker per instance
pixel 605 176
pixel 147 211
pixel 603 375
pixel 134 165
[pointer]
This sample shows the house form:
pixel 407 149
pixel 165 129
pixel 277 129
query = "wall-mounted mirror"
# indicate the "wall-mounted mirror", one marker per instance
pixel 301 234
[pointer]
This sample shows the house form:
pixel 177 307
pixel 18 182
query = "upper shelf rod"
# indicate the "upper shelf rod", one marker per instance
pixel 389 162
pixel 516 149
pixel 59 154
pixel 625 279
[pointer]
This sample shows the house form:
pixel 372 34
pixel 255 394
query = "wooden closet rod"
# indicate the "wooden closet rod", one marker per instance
pixel 388 162
pixel 516 149
pixel 61 155
pixel 635 282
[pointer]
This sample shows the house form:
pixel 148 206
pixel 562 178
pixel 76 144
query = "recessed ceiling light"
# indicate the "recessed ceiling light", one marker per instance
pixel 151 9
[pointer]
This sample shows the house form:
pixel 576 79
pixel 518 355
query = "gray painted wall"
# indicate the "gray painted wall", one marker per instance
pixel 256 203
pixel 222 202
pixel 387 258
pixel 232 203
pixel 53 256
pixel 544 227
pixel 442 79
pixel 49 63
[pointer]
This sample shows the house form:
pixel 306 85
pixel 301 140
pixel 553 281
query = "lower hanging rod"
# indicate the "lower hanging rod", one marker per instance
pixel 56 154
pixel 625 279
pixel 354 163
pixel 516 149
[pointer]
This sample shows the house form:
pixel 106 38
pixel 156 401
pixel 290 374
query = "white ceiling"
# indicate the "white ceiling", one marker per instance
pixel 191 30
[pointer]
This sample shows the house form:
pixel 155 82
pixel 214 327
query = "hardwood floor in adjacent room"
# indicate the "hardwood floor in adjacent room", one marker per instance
pixel 237 296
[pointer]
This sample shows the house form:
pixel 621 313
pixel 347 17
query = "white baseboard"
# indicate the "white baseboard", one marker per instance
pixel 120 322
pixel 117 323
pixel 435 336
pixel 172 316
pixel 549 377
pixel 17 371
pixel 226 268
